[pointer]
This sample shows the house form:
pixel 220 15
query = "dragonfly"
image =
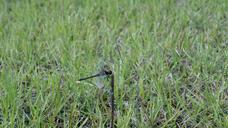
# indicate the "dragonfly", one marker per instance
pixel 106 72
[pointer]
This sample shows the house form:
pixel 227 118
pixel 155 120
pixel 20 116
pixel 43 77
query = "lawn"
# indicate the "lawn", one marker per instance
pixel 169 59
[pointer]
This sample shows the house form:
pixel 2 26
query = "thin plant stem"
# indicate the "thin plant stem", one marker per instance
pixel 112 101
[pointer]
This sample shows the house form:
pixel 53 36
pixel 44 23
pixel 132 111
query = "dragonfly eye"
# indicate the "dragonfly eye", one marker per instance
pixel 108 72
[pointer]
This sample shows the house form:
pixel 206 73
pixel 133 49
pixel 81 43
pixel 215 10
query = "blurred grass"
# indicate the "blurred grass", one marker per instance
pixel 170 60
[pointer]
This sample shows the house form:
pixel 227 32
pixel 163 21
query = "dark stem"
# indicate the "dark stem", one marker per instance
pixel 112 101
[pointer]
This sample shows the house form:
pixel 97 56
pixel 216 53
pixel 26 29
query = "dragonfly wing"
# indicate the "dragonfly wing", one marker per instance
pixel 99 84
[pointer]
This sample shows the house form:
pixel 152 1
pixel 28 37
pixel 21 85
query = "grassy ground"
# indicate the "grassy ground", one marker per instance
pixel 170 59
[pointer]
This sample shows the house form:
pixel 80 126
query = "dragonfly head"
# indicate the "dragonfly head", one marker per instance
pixel 106 71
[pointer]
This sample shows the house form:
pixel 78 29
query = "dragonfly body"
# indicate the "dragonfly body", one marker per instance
pixel 102 73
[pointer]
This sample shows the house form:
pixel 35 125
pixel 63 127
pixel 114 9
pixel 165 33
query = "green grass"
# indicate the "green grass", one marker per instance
pixel 170 59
